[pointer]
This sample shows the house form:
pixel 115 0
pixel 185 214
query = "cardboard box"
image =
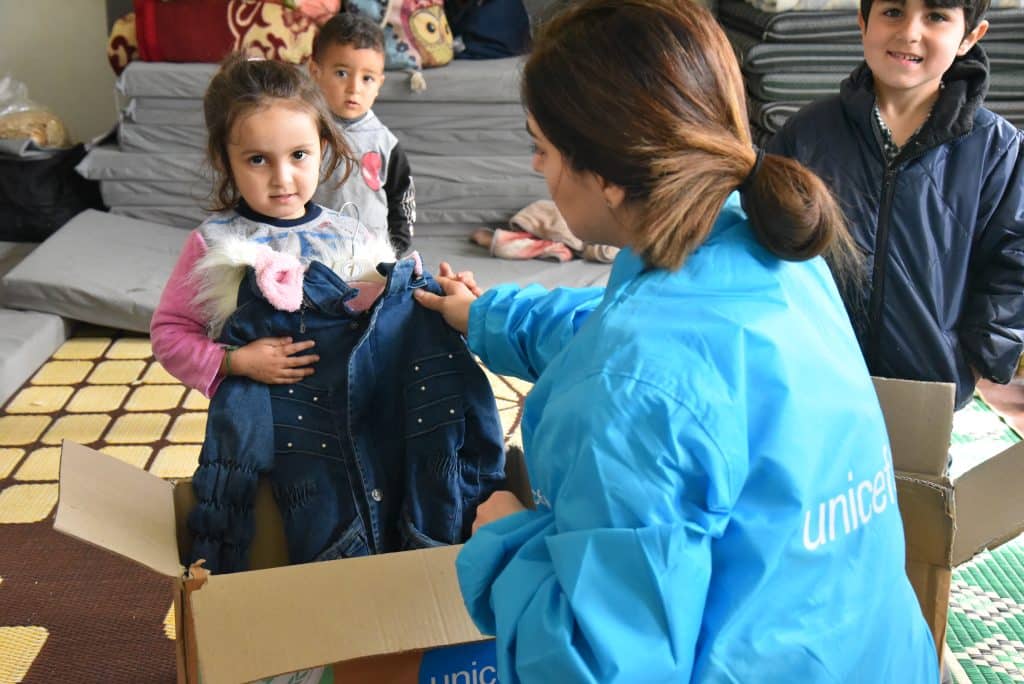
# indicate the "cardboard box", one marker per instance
pixel 396 617
pixel 400 617
pixel 949 513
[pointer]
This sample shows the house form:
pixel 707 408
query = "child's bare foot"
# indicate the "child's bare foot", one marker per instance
pixel 482 237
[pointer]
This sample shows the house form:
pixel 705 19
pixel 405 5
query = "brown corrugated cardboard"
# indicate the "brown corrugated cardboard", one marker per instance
pixel 378 614
pixel 370 614
pixel 948 516
pixel 125 510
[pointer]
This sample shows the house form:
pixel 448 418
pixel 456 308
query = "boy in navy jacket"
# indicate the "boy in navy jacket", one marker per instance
pixel 932 185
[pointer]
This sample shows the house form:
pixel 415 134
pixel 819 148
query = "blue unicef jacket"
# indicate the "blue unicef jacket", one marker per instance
pixel 389 446
pixel 715 499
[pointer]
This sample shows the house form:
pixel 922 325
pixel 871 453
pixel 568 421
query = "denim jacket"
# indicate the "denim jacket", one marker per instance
pixel 389 446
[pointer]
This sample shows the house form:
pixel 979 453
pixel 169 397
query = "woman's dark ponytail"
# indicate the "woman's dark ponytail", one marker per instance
pixel 795 216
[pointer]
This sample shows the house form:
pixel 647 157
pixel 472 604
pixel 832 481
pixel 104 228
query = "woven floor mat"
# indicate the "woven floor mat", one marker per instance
pixel 986 615
pixel 985 627
pixel 70 612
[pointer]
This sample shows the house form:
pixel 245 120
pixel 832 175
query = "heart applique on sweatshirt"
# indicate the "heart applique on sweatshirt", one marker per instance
pixel 371 165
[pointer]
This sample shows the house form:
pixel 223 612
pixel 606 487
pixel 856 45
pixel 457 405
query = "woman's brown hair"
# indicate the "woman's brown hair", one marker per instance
pixel 242 86
pixel 648 95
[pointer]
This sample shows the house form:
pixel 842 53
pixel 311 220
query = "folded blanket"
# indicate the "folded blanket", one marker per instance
pixel 538 231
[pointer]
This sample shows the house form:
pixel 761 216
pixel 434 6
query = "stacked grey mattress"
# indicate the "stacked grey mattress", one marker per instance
pixel 792 57
pixel 465 137
pixel 27 338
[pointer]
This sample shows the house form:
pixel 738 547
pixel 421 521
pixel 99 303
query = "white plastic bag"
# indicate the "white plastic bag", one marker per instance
pixel 20 117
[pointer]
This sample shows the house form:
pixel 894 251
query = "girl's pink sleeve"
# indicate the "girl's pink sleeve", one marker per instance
pixel 178 328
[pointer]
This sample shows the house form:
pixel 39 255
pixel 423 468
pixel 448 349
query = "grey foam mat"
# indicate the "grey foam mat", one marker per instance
pixel 498 141
pixel 758 57
pixel 489 271
pixel 27 338
pixel 120 267
pixel 1005 24
pixel 463 80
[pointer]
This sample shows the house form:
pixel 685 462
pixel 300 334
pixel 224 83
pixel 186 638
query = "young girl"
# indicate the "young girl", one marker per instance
pixel 397 438
pixel 715 499
pixel 268 127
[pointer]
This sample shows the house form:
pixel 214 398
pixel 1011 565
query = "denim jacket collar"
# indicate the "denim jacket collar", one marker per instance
pixel 404 274
pixel 324 290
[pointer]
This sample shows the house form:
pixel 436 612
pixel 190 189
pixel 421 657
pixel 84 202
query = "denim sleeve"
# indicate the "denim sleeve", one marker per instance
pixel 992 327
pixel 236 450
pixel 518 331
pixel 484 444
pixel 620 563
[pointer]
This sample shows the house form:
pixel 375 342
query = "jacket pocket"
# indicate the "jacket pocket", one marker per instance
pixel 413 538
pixel 351 544
pixel 304 421
pixel 434 393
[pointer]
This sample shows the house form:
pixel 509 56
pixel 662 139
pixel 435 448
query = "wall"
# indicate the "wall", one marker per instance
pixel 58 49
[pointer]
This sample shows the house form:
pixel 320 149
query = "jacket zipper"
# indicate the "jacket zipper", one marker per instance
pixel 875 309
pixel 302 313
pixel 878 272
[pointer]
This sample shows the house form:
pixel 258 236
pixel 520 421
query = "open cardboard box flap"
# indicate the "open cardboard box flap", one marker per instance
pixel 272 621
pixel 988 504
pixel 118 507
pixel 948 518
pixel 919 419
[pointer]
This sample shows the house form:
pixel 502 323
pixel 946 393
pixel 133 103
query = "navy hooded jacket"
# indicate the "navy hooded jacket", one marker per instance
pixel 942 227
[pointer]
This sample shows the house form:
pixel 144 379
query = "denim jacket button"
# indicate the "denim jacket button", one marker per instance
pixel 377 495
pixel 419 420
pixel 323 446
pixel 291 391
pixel 451 411
pixel 450 356
pixel 416 368
pixel 316 398
pixel 300 417
pixel 289 445
pixel 423 388
pixel 354 325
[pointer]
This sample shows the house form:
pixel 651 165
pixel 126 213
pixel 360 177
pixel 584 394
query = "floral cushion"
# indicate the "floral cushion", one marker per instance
pixel 207 30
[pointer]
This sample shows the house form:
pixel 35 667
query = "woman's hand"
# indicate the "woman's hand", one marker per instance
pixel 497 506
pixel 460 291
pixel 272 360
pixel 465 277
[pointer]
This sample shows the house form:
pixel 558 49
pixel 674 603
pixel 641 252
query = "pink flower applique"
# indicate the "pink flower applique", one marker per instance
pixel 279 277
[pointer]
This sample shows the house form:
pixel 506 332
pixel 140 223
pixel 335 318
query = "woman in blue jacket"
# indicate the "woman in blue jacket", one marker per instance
pixel 714 490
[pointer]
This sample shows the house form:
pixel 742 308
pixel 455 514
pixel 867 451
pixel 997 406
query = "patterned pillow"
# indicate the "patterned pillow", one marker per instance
pixel 416 32
pixel 207 30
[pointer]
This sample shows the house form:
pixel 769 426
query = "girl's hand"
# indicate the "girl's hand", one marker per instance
pixel 460 292
pixel 497 506
pixel 273 360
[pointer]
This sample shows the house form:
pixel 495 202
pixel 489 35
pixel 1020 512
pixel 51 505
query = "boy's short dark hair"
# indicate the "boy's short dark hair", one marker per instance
pixel 974 10
pixel 348 28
